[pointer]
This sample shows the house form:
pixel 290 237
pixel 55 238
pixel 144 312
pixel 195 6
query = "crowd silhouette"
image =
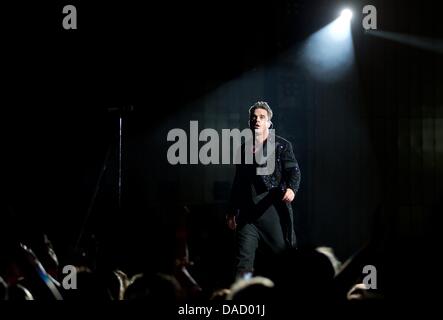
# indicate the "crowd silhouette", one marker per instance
pixel 30 270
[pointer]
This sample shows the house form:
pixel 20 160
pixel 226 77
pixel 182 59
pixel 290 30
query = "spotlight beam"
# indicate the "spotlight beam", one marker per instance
pixel 435 45
pixel 329 53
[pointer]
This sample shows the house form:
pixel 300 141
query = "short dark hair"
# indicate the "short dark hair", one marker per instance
pixel 261 105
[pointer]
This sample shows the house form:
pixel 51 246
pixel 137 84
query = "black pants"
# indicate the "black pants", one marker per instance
pixel 264 235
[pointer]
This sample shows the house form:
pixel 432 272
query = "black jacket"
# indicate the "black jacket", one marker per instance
pixel 286 175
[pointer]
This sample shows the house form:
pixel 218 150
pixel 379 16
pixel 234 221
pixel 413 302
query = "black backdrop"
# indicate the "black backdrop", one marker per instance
pixel 359 147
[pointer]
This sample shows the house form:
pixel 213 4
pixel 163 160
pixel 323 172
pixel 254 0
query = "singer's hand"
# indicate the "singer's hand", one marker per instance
pixel 289 196
pixel 232 223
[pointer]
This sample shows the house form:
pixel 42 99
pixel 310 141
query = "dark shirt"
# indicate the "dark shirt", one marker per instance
pixel 253 195
pixel 247 183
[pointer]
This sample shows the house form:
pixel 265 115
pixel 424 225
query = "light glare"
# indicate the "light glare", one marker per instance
pixel 346 14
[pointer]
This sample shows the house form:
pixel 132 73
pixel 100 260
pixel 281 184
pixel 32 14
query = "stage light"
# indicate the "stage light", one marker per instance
pixel 329 52
pixel 346 14
pixel 340 28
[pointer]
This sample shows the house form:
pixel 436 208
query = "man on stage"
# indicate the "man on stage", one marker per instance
pixel 261 210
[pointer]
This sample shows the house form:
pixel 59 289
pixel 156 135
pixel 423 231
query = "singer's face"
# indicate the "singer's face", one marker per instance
pixel 259 121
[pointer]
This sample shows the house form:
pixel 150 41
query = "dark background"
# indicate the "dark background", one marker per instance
pixel 367 142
